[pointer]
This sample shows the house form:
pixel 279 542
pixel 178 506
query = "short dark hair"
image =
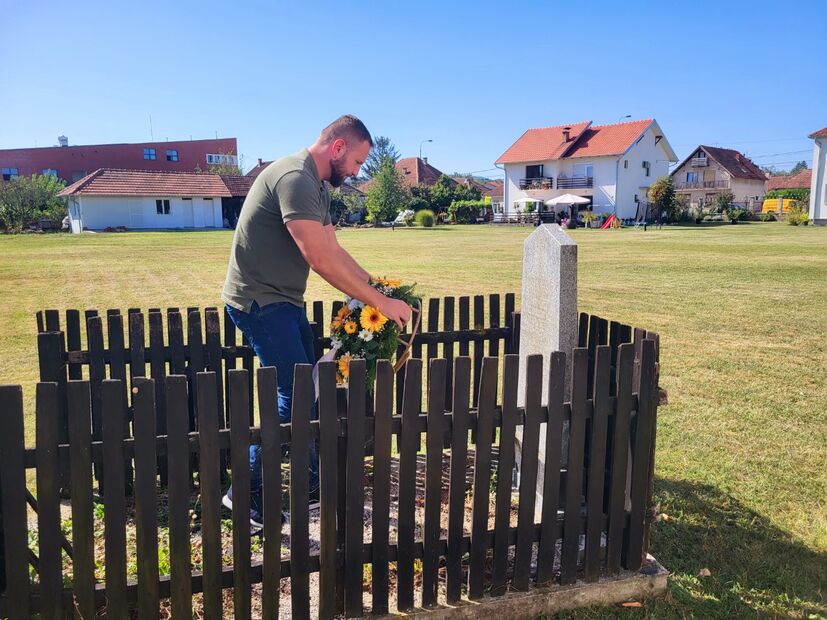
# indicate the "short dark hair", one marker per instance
pixel 347 126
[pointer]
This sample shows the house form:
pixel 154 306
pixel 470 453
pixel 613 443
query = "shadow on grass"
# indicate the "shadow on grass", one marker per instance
pixel 757 570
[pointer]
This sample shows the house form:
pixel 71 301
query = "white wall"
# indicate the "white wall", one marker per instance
pixel 632 179
pixel 139 212
pixel 818 186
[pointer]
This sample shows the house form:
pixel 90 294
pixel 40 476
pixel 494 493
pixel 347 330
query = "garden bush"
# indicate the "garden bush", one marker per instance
pixel 425 218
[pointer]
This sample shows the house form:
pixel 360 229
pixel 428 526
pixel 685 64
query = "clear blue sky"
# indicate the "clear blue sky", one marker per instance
pixel 472 76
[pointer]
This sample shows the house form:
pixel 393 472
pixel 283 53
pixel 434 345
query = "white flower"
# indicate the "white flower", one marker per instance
pixel 353 304
pixel 366 335
pixel 336 344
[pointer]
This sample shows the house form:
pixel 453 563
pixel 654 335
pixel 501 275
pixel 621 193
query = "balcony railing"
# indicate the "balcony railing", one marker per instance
pixel 703 185
pixel 699 162
pixel 575 182
pixel 537 183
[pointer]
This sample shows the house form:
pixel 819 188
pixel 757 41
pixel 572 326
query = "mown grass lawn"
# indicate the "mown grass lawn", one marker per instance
pixel 742 313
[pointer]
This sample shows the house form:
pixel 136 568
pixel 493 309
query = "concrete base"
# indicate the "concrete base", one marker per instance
pixel 650 581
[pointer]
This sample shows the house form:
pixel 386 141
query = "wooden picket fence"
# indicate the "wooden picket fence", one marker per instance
pixel 603 433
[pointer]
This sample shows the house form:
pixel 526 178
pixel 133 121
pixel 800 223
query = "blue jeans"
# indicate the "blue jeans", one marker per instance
pixel 281 336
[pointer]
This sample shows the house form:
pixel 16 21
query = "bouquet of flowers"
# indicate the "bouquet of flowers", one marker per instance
pixel 359 331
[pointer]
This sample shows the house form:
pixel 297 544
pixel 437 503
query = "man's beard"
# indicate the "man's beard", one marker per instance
pixel 337 173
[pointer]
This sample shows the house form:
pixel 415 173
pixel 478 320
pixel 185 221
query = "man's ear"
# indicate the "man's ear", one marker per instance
pixel 338 147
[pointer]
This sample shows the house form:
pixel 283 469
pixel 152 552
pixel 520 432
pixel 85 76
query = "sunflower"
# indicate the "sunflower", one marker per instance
pixel 350 327
pixel 340 317
pixel 371 319
pixel 344 365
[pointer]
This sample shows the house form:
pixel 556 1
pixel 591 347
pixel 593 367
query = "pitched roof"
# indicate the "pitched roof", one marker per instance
pixel 543 143
pixel 258 168
pixel 601 140
pixel 794 181
pixel 116 182
pixel 416 171
pixel 821 133
pixel 237 185
pixel 735 163
pixel 495 189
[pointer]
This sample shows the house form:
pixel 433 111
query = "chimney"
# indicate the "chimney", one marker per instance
pixel 63 141
pixel 259 161
pixel 566 134
pixel 425 159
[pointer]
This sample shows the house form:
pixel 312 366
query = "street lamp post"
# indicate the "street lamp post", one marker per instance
pixel 420 147
pixel 625 116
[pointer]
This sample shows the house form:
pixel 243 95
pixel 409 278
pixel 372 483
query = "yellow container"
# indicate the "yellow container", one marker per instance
pixel 771 205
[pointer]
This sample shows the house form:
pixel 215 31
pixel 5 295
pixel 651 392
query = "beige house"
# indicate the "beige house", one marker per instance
pixel 710 171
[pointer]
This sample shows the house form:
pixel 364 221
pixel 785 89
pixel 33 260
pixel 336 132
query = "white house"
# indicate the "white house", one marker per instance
pixel 818 184
pixel 611 165
pixel 144 199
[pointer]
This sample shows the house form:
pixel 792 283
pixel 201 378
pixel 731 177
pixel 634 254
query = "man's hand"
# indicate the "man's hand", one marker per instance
pixel 396 310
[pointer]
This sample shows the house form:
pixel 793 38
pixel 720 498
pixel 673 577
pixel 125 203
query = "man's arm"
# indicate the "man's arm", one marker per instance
pixel 322 253
pixel 343 254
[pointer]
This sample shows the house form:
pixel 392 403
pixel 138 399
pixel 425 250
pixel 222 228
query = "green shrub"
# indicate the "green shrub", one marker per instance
pixel 798 214
pixel 767 217
pixel 425 218
pixel 801 193
pixel 465 211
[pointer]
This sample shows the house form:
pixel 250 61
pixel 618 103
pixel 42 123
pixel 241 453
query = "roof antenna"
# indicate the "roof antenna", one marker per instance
pixel 151 135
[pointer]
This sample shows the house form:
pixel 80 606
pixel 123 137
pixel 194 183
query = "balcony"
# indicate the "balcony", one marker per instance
pixel 724 184
pixel 575 182
pixel 537 183
pixel 699 162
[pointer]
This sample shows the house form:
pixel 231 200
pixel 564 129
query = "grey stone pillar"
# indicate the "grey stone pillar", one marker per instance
pixel 548 310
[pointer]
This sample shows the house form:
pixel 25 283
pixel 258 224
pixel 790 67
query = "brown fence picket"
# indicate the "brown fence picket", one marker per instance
pixel 479 343
pixel 493 322
pixel 157 370
pixel 175 335
pixel 487 402
pixel 52 320
pixel 230 361
pixel 179 494
pixel 505 467
pixel 214 364
pixel 117 370
pixel 433 327
pixel 528 472
pixel 137 346
pixel 549 530
pixel 433 481
pixel 597 461
pixel 268 408
pixel 51 353
pixel 13 505
pixel 574 468
pixel 73 342
pixel 448 310
pixel 408 447
pixel 355 489
pixel 146 495
pixel 299 492
pixel 114 500
pixel 237 382
pixel 464 325
pixel 328 484
pixel 195 364
pixel 381 486
pixel 456 494
pixel 48 501
pixel 209 478
pixel 620 456
pixel 647 394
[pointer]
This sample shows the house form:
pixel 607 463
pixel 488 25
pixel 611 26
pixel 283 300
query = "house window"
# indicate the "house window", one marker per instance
pixel 172 155
pixel 149 154
pixel 77 175
pixel 162 207
pixel 534 172
pixel 626 163
pixel 10 173
pixel 646 166
pixel 691 177
pixel 584 171
pixel 220 158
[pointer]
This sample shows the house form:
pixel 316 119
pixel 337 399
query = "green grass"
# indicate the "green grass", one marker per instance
pixel 742 313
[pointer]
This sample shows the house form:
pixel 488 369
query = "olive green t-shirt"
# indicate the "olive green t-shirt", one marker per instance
pixel 266 265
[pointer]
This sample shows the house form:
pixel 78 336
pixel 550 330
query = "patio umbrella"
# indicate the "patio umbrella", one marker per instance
pixel 568 199
pixel 528 199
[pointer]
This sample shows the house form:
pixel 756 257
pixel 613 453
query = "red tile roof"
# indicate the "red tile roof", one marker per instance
pixel 735 163
pixel 238 186
pixel 543 144
pixel 258 168
pixel 795 181
pixel 115 182
pixel 602 140
pixel 821 133
pixel 416 171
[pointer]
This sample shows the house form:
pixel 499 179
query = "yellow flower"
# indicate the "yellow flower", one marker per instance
pixel 350 327
pixel 344 366
pixel 340 317
pixel 371 319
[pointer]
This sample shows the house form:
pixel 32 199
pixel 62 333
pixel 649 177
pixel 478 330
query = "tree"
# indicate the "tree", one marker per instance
pixel 387 195
pixel 723 201
pixel 341 204
pixel 235 170
pixel 802 165
pixel 662 195
pixel 445 191
pixel 27 199
pixel 383 151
